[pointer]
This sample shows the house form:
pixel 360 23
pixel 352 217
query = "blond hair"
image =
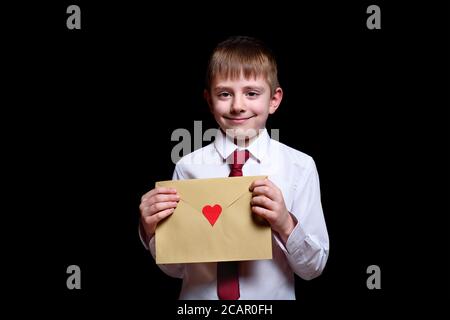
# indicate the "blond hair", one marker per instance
pixel 245 55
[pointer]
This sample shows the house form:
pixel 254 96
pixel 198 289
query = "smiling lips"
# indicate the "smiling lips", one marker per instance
pixel 238 120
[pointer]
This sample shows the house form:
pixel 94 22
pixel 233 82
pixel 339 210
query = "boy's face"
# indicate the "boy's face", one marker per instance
pixel 241 107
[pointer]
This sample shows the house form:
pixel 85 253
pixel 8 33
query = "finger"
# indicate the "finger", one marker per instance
pixel 161 198
pixel 270 183
pixel 257 183
pixel 158 190
pixel 264 191
pixel 154 219
pixel 263 201
pixel 262 212
pixel 157 207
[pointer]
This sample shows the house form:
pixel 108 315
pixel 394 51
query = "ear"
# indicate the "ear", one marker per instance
pixel 275 100
pixel 207 97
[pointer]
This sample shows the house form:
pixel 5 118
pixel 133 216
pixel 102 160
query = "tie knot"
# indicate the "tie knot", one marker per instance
pixel 239 159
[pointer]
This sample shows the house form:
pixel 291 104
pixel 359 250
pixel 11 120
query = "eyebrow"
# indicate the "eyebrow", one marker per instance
pixel 246 88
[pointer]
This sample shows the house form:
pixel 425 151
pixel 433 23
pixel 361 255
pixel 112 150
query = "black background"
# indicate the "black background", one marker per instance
pixel 92 112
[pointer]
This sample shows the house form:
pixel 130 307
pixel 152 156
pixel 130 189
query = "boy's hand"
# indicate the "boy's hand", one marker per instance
pixel 157 204
pixel 268 202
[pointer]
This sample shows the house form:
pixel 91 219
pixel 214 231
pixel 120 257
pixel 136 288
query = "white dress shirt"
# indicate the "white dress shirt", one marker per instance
pixel 306 250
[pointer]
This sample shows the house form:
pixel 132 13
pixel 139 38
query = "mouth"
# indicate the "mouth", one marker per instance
pixel 237 120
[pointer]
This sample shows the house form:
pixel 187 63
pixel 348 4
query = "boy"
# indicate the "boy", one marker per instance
pixel 242 90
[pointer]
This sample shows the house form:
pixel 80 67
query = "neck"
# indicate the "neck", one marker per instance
pixel 242 142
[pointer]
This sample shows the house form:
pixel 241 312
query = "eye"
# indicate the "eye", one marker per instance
pixel 223 94
pixel 253 93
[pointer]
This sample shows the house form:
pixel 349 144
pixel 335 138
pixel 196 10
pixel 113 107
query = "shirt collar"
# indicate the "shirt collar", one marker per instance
pixel 258 148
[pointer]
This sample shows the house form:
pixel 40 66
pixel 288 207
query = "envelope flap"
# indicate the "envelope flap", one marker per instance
pixel 236 187
pixel 201 192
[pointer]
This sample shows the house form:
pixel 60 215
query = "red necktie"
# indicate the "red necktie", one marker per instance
pixel 227 272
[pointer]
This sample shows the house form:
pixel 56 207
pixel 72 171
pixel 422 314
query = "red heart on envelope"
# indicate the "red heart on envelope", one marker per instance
pixel 212 213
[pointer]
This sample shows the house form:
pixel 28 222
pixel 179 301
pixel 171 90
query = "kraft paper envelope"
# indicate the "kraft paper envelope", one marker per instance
pixel 212 222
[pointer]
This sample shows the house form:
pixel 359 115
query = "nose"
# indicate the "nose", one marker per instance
pixel 237 105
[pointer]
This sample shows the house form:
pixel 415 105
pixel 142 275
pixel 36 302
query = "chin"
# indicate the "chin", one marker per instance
pixel 242 133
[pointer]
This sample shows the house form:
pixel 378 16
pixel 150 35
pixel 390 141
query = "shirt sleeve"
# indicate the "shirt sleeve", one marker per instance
pixel 173 270
pixel 307 247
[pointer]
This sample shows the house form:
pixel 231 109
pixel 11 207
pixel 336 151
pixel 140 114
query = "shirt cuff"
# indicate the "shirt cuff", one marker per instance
pixel 294 241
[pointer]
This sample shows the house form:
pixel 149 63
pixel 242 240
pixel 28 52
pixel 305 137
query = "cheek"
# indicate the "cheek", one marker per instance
pixel 261 110
pixel 218 109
